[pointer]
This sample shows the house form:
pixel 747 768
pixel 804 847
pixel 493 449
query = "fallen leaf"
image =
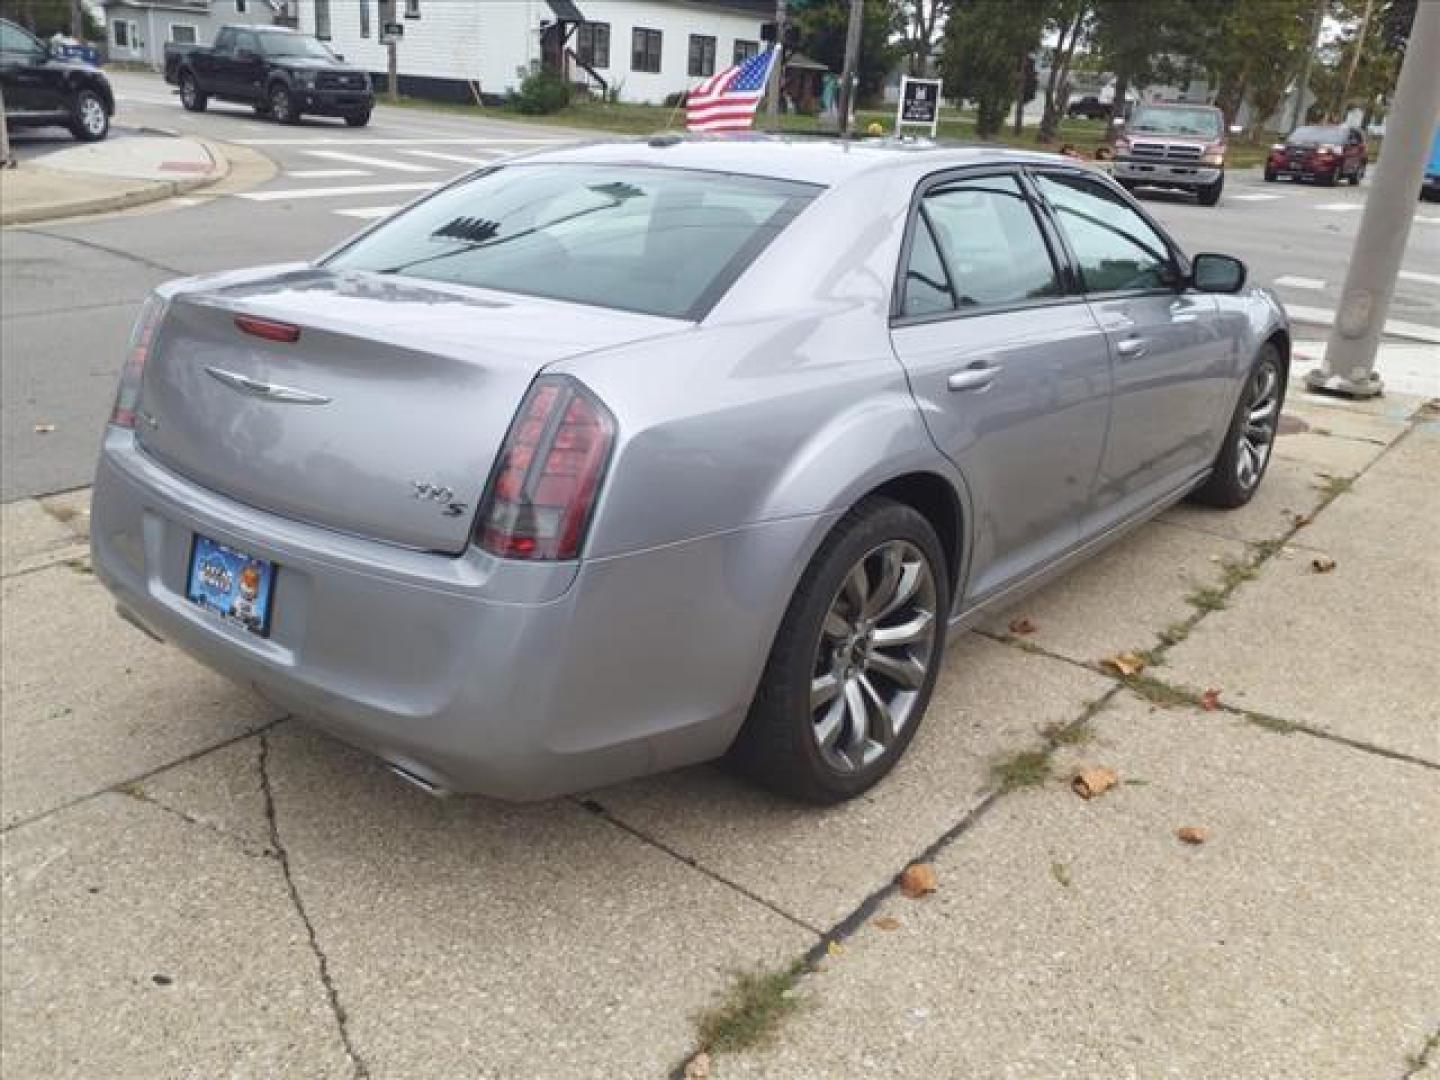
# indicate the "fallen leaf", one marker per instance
pixel 1210 700
pixel 918 880
pixel 1193 834
pixel 1022 625
pixel 833 948
pixel 44 429
pixel 1061 873
pixel 1322 564
pixel 1125 663
pixel 1301 520
pixel 1096 780
pixel 886 922
pixel 698 1067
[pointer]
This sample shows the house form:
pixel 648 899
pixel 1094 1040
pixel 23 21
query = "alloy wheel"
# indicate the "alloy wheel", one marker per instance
pixel 876 646
pixel 280 104
pixel 92 115
pixel 1257 432
pixel 188 92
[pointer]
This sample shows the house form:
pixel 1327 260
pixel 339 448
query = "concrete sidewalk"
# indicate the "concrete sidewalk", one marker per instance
pixel 114 174
pixel 194 884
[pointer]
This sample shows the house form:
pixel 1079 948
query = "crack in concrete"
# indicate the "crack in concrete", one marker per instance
pixel 1419 1061
pixel 128 256
pixel 282 856
pixel 139 794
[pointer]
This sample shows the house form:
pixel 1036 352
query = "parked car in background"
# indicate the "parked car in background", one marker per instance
pixel 1325 153
pixel 279 72
pixel 1430 186
pixel 620 457
pixel 1180 147
pixel 42 89
pixel 1089 107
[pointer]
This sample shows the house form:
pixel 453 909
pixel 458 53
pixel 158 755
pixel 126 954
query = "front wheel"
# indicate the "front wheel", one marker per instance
pixel 358 120
pixel 282 105
pixel 1270 176
pixel 191 95
pixel 1358 175
pixel 1243 457
pixel 1209 195
pixel 89 122
pixel 852 667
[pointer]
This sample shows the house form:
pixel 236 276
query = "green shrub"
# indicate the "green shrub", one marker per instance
pixel 542 92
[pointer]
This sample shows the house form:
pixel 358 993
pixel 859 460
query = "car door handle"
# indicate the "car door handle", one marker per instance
pixel 1131 347
pixel 972 378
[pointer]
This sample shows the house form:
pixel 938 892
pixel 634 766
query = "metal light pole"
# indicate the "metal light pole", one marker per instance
pixel 389 16
pixel 1316 22
pixel 777 75
pixel 852 60
pixel 5 161
pixel 1349 366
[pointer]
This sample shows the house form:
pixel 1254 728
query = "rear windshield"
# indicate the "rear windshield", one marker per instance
pixel 658 241
pixel 1316 135
pixel 1200 122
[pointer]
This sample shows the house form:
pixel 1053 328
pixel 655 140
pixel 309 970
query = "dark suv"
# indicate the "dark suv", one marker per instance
pixel 1326 153
pixel 42 89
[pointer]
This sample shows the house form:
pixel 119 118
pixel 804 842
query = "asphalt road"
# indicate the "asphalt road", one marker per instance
pixel 68 291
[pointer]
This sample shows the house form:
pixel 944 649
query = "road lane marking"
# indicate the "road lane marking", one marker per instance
pixel 461 159
pixel 325 174
pixel 331 192
pixel 372 162
pixel 1293 282
pixel 1423 279
pixel 1394 327
pixel 1339 207
pixel 1424 219
pixel 1257 197
pixel 368 213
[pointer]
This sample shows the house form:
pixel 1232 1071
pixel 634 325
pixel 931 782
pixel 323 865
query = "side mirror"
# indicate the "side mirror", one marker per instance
pixel 1217 273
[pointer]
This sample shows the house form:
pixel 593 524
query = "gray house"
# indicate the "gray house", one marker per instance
pixel 137 30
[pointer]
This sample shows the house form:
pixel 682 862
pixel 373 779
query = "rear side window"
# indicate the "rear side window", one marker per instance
pixel 977 244
pixel 658 241
pixel 1115 248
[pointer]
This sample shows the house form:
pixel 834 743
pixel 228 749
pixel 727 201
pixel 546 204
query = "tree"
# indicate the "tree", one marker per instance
pixel 1070 21
pixel 1138 51
pixel 46 17
pixel 1360 68
pixel 822 35
pixel 982 41
pixel 921 21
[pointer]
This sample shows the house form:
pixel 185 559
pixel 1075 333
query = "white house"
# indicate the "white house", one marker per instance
pixel 640 50
pixel 137 30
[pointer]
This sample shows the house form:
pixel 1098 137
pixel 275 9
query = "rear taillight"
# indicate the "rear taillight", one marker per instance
pixel 142 337
pixel 544 487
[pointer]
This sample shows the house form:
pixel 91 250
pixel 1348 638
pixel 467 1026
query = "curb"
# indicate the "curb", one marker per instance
pixel 152 191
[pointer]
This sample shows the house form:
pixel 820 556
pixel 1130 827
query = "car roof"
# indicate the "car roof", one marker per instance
pixel 260 28
pixel 825 161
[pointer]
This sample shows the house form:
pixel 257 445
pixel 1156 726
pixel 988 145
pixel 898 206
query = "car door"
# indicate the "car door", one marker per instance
pixel 217 68
pixel 29 86
pixel 1171 361
pixel 248 66
pixel 1009 368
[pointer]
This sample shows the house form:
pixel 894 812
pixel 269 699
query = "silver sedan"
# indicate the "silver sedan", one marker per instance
pixel 618 458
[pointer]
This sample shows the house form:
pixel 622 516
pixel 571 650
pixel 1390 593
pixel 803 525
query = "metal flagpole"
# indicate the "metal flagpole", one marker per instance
pixel 852 60
pixel 777 73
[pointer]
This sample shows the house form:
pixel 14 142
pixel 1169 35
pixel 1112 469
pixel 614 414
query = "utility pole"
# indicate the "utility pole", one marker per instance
pixel 852 60
pixel 1349 366
pixel 77 20
pixel 1316 22
pixel 777 74
pixel 1354 59
pixel 5 161
pixel 387 15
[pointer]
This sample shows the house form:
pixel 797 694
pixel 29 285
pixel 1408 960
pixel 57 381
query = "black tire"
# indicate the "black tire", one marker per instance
pixel 1209 195
pixel 1270 176
pixel 1357 175
pixel 262 108
pixel 358 120
pixel 282 104
pixel 1224 488
pixel 89 119
pixel 1330 179
pixel 191 96
pixel 777 746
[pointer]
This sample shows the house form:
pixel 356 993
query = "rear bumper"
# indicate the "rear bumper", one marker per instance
pixel 472 673
pixel 1165 174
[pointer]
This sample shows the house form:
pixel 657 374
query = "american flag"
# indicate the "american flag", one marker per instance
pixel 727 101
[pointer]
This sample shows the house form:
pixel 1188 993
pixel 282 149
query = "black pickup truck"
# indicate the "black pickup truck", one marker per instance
pixel 42 88
pixel 280 72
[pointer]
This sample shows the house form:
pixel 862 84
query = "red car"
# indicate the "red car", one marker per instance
pixel 1326 153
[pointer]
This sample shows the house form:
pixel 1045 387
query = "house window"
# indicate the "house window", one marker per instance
pixel 121 29
pixel 364 18
pixel 644 50
pixel 322 19
pixel 183 34
pixel 702 55
pixel 744 50
pixel 240 6
pixel 592 44
pixel 412 9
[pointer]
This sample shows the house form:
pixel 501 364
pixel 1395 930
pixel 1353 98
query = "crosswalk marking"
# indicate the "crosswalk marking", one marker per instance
pixel 461 159
pixel 276 195
pixel 324 174
pixel 1256 197
pixel 1425 219
pixel 373 162
pixel 1397 327
pixel 1294 282
pixel 1423 279
pixel 1339 207
pixel 333 140
pixel 368 213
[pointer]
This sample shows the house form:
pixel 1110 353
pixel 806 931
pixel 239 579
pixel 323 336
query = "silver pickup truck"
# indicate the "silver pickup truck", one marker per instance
pixel 1180 147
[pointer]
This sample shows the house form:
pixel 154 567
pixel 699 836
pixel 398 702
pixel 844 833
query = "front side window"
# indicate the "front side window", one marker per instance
pixel 1116 249
pixel 592 44
pixel 182 34
pixel 644 50
pixel 744 50
pixel 702 56
pixel 664 242
pixel 14 40
pixel 247 43
pixel 993 251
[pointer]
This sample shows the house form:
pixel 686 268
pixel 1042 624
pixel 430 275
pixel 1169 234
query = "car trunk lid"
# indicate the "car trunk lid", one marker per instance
pixel 383 419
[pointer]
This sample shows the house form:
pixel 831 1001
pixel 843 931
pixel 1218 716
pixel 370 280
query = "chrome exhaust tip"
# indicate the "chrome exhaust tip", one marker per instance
pixel 415 779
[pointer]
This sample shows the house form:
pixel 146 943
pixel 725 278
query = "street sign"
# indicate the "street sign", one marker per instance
pixel 919 104
pixel 391 32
